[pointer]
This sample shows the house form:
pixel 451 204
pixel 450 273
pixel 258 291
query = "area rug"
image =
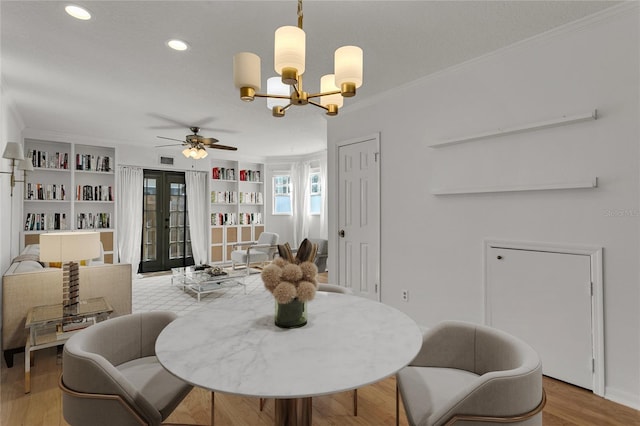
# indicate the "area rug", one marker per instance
pixel 156 293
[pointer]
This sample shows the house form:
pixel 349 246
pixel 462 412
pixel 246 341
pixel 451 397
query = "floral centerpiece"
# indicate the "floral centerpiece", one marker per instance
pixel 292 281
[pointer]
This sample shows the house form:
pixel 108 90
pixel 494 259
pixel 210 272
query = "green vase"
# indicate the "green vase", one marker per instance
pixel 292 314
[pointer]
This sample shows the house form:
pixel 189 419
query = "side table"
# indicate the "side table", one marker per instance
pixel 48 326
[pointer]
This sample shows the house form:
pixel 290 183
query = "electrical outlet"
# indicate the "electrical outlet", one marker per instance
pixel 405 295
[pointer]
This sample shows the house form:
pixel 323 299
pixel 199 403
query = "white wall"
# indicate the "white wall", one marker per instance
pixel 433 245
pixel 11 207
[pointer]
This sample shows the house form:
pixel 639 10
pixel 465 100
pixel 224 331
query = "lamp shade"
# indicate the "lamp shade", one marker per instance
pixel 25 165
pixel 289 49
pixel 275 86
pixel 13 151
pixel 348 65
pixel 69 246
pixel 328 84
pixel 246 70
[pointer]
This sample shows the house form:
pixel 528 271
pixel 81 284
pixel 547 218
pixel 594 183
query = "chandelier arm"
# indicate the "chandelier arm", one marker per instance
pixel 266 95
pixel 286 107
pixel 300 14
pixel 315 95
pixel 318 105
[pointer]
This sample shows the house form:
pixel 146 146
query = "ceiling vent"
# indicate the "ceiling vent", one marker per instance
pixel 167 161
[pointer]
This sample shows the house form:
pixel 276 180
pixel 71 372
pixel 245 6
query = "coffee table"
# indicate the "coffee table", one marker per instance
pixel 234 347
pixel 201 282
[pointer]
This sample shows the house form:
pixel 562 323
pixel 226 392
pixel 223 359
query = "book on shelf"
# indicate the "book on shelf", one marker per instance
pixel 222 173
pixel 45 221
pixel 249 175
pixel 45 160
pixel 218 219
pixel 94 163
pixel 224 197
pixel 94 193
pixel 93 220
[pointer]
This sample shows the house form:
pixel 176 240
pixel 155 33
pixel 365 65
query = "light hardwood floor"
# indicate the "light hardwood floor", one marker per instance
pixel 566 405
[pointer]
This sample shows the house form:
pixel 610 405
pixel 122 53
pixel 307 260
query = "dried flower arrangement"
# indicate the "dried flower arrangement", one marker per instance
pixel 289 278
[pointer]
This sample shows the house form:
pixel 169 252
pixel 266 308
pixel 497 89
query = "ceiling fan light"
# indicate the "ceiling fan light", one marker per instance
pixel 348 66
pixel 78 12
pixel 202 154
pixel 275 86
pixel 289 49
pixel 246 70
pixel 328 84
pixel 177 45
pixel 187 152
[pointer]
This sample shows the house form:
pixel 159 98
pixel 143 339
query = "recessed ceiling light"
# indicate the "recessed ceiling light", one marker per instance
pixel 78 12
pixel 177 45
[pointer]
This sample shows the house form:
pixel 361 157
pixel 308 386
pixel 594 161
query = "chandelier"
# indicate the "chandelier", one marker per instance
pixel 289 61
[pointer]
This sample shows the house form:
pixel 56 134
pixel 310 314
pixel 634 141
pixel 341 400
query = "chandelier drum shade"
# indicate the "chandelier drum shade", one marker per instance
pixel 289 63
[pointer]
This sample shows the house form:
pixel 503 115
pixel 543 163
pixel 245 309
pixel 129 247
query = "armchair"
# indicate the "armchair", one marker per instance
pixel 110 374
pixel 256 251
pixel 472 374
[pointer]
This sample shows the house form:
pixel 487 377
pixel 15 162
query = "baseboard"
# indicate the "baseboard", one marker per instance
pixel 622 397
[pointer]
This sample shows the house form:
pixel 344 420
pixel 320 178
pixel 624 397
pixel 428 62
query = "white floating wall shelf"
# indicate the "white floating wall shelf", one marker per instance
pixel 593 115
pixel 586 183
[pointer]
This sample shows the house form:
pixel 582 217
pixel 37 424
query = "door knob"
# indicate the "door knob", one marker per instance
pixel 341 233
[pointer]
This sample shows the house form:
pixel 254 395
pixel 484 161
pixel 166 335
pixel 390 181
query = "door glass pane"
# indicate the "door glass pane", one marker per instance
pixel 149 241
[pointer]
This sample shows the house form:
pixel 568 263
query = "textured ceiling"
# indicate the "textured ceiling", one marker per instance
pixel 113 78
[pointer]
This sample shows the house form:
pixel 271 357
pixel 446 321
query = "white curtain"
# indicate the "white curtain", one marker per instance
pixel 197 210
pixel 129 215
pixel 324 231
pixel 300 201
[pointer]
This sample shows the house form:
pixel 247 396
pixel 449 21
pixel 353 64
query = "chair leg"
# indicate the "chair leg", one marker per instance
pixel 262 401
pixel 355 402
pixel 397 404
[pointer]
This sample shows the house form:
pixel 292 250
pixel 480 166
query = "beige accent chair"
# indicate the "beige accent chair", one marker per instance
pixel 111 376
pixel 468 374
pixel 262 250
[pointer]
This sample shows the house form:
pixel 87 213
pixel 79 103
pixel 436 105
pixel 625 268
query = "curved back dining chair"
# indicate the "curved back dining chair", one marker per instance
pixel 111 376
pixel 471 374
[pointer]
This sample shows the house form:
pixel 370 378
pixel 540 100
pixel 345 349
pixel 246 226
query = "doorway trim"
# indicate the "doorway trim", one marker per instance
pixel 333 233
pixel 597 305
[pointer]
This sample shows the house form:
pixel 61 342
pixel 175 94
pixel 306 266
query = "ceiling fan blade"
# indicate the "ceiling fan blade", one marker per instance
pixel 209 141
pixel 216 130
pixel 171 139
pixel 173 144
pixel 226 147
pixel 177 124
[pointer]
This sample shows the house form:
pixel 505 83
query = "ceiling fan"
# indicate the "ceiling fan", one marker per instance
pixel 196 144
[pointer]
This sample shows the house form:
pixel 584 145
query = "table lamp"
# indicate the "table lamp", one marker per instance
pixel 69 247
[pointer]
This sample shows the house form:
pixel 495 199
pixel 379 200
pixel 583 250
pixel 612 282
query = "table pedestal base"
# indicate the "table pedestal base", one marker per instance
pixel 293 412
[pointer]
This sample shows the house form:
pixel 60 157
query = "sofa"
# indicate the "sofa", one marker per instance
pixel 28 283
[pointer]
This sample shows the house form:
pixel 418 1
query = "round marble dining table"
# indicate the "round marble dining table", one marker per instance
pixel 233 346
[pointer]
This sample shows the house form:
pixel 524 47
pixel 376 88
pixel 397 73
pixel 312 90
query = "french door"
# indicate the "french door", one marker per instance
pixel 166 241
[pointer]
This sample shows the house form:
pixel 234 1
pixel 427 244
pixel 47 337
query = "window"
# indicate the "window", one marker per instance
pixel 315 195
pixel 282 194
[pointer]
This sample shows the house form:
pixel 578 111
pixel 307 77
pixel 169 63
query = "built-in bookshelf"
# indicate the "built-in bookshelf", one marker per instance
pixel 71 187
pixel 237 206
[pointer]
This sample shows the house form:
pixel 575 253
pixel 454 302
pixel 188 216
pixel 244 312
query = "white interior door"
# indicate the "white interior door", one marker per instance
pixel 545 298
pixel 359 217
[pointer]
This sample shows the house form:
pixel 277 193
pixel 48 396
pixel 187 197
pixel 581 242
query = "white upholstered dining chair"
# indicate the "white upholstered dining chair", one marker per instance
pixel 111 376
pixel 468 374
